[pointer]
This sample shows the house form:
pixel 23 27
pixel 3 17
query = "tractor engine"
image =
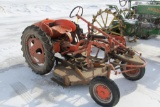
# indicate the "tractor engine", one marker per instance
pixel 64 43
pixel 149 22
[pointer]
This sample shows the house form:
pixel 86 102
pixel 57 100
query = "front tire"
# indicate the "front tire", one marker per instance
pixel 37 50
pixel 104 91
pixel 133 75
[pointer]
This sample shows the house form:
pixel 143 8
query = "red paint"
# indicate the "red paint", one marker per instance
pixel 103 92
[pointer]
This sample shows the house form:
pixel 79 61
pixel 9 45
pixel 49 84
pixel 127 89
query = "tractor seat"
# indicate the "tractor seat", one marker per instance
pixel 65 23
pixel 62 29
pixel 63 26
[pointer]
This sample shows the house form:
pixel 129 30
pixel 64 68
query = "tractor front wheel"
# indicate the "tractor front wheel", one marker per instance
pixel 134 74
pixel 37 50
pixel 104 91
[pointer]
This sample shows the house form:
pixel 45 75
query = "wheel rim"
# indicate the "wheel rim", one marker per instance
pixel 36 50
pixel 133 73
pixel 104 20
pixel 102 93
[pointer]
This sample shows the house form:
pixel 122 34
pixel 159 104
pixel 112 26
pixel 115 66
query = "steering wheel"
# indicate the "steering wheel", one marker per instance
pixel 123 2
pixel 79 8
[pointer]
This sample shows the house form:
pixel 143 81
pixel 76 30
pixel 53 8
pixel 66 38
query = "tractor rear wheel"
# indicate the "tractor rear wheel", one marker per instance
pixel 133 75
pixel 37 50
pixel 104 91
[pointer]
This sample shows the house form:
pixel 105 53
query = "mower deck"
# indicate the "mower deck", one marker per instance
pixel 69 76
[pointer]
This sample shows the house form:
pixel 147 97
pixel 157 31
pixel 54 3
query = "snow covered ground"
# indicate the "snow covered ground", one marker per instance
pixel 20 87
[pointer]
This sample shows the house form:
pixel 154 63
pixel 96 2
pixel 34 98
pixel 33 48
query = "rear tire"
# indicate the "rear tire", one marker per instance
pixel 35 35
pixel 104 91
pixel 133 75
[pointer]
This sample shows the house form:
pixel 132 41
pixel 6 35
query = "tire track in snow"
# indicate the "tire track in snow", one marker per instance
pixel 44 88
pixel 22 91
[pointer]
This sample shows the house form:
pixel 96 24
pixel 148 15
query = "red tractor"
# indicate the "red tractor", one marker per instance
pixel 85 58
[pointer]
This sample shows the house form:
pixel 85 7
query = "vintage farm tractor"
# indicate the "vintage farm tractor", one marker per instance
pixel 86 58
pixel 138 21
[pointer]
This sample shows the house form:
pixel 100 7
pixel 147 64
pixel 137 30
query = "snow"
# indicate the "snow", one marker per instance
pixel 20 87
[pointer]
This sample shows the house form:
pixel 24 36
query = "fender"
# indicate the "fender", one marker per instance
pixel 55 28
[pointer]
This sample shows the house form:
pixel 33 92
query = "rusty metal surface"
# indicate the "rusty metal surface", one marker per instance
pixel 134 60
pixel 36 50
